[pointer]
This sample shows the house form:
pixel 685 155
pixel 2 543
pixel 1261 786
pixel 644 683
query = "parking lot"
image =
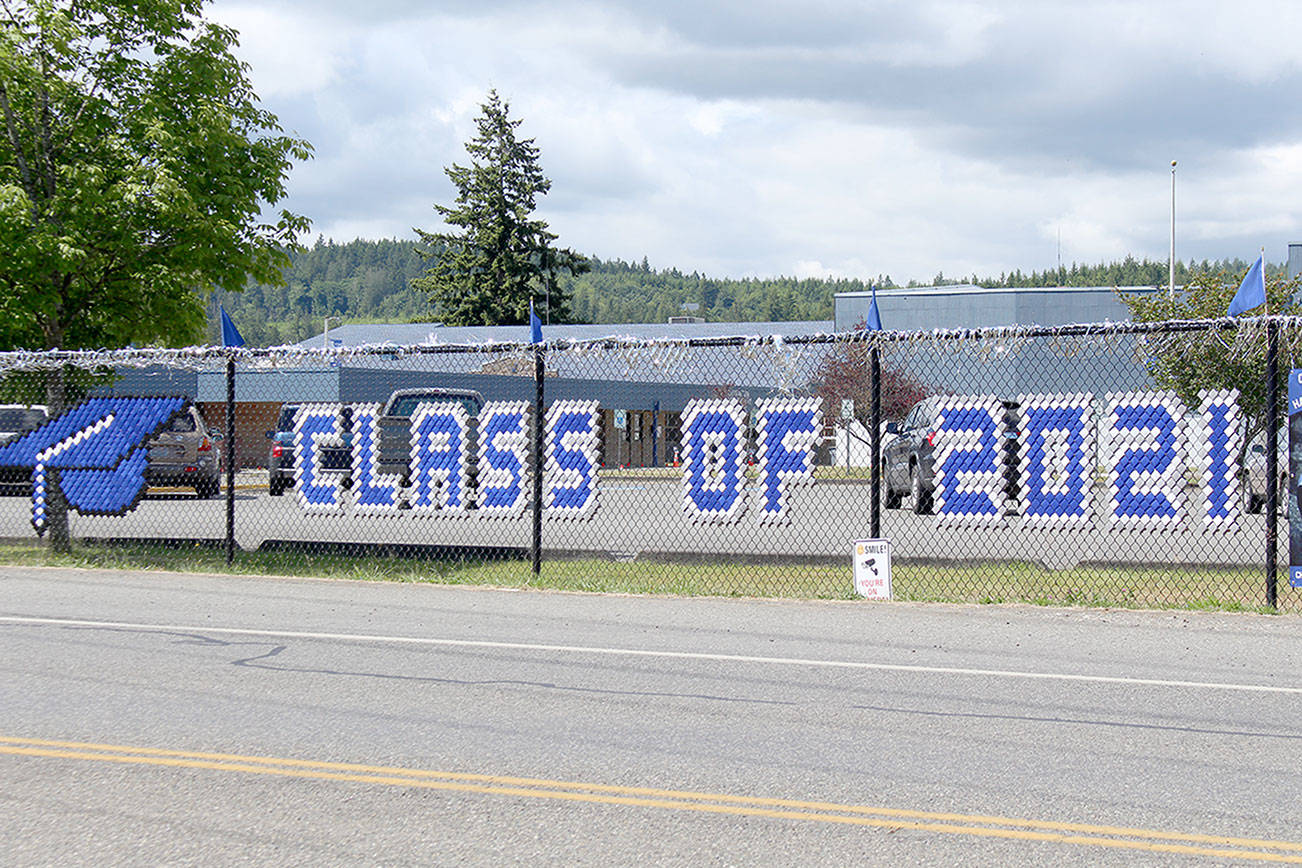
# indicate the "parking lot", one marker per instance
pixel 643 518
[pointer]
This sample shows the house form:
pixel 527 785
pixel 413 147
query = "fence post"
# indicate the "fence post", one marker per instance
pixel 230 460
pixel 655 424
pixel 539 366
pixel 875 439
pixel 1272 458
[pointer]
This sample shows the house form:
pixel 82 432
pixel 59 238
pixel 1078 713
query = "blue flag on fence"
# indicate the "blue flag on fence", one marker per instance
pixel 230 334
pixel 1252 292
pixel 874 320
pixel 535 326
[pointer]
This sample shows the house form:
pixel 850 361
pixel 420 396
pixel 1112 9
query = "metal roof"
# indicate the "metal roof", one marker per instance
pixel 406 334
pixel 973 289
pixel 965 306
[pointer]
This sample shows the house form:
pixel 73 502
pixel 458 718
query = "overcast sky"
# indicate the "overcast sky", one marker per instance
pixel 814 138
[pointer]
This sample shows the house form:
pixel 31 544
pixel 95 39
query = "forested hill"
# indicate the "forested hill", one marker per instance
pixel 369 281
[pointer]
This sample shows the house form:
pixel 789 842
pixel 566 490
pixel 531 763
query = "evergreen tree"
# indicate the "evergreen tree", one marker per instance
pixel 498 258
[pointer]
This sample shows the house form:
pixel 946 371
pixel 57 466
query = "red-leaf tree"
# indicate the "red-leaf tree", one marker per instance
pixel 846 372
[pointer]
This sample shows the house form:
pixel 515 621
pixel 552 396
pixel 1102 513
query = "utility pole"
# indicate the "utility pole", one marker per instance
pixel 1171 261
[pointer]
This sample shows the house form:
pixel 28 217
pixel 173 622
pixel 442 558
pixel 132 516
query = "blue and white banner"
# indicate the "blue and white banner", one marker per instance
pixel 1056 467
pixel 1294 456
pixel 1133 461
pixel 98 448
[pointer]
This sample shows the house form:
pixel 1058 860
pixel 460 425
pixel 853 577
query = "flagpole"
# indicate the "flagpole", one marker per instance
pixel 1266 309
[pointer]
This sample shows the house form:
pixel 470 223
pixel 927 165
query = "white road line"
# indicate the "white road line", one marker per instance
pixel 638 652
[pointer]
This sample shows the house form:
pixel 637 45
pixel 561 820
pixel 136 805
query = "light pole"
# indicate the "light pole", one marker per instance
pixel 326 337
pixel 1170 291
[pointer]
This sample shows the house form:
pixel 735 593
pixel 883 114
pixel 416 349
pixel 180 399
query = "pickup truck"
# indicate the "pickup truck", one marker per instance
pixel 395 425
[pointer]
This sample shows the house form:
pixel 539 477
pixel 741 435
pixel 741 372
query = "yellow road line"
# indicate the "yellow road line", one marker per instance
pixel 715 803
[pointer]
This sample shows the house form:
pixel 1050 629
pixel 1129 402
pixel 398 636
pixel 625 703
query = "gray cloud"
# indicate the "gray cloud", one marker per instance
pixel 1012 103
pixel 858 138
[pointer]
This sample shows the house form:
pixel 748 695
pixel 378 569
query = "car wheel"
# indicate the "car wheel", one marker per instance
pixel 207 488
pixel 276 487
pixel 921 498
pixel 890 497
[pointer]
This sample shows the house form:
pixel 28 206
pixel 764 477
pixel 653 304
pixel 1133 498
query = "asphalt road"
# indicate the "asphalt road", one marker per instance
pixel 158 718
pixel 644 518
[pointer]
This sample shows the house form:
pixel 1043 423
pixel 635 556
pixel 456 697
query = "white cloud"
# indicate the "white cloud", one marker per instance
pixel 291 54
pixel 822 138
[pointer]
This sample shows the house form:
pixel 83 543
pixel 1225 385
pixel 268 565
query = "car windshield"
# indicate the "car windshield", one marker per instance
pixel 20 419
pixel 407 406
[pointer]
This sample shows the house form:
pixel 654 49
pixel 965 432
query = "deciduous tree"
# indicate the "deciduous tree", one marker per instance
pixel 1187 363
pixel 135 164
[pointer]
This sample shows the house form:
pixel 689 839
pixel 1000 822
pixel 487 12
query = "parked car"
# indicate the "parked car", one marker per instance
pixel 15 421
pixel 908 456
pixel 185 453
pixel 394 426
pixel 280 455
pixel 335 457
pixel 18 419
pixel 1254 463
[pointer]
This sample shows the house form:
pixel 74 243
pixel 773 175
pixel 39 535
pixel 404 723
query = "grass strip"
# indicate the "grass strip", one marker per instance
pixel 1211 588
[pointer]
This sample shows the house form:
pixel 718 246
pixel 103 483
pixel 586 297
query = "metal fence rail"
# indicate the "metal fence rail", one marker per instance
pixel 1045 465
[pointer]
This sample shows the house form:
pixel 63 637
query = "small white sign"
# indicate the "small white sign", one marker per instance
pixel 872 568
pixel 847 408
pixel 621 419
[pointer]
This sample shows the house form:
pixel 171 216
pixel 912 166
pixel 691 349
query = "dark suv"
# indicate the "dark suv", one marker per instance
pixel 280 456
pixel 335 458
pixel 908 459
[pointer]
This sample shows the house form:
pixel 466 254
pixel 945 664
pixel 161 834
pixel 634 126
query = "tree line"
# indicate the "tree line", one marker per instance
pixel 371 281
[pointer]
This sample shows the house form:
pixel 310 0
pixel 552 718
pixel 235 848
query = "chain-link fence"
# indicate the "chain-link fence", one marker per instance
pixel 1109 465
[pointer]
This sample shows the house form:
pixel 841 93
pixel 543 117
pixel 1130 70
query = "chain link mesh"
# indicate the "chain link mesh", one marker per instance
pixel 1018 464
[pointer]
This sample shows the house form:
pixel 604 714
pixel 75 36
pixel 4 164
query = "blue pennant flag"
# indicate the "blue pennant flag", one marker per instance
pixel 874 320
pixel 230 334
pixel 535 326
pixel 1252 292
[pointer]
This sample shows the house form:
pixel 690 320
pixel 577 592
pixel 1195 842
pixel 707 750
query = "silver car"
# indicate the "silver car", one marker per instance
pixel 1254 463
pixel 185 453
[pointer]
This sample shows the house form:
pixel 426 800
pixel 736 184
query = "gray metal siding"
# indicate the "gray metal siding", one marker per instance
pixel 151 381
pixel 277 384
pixel 964 307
